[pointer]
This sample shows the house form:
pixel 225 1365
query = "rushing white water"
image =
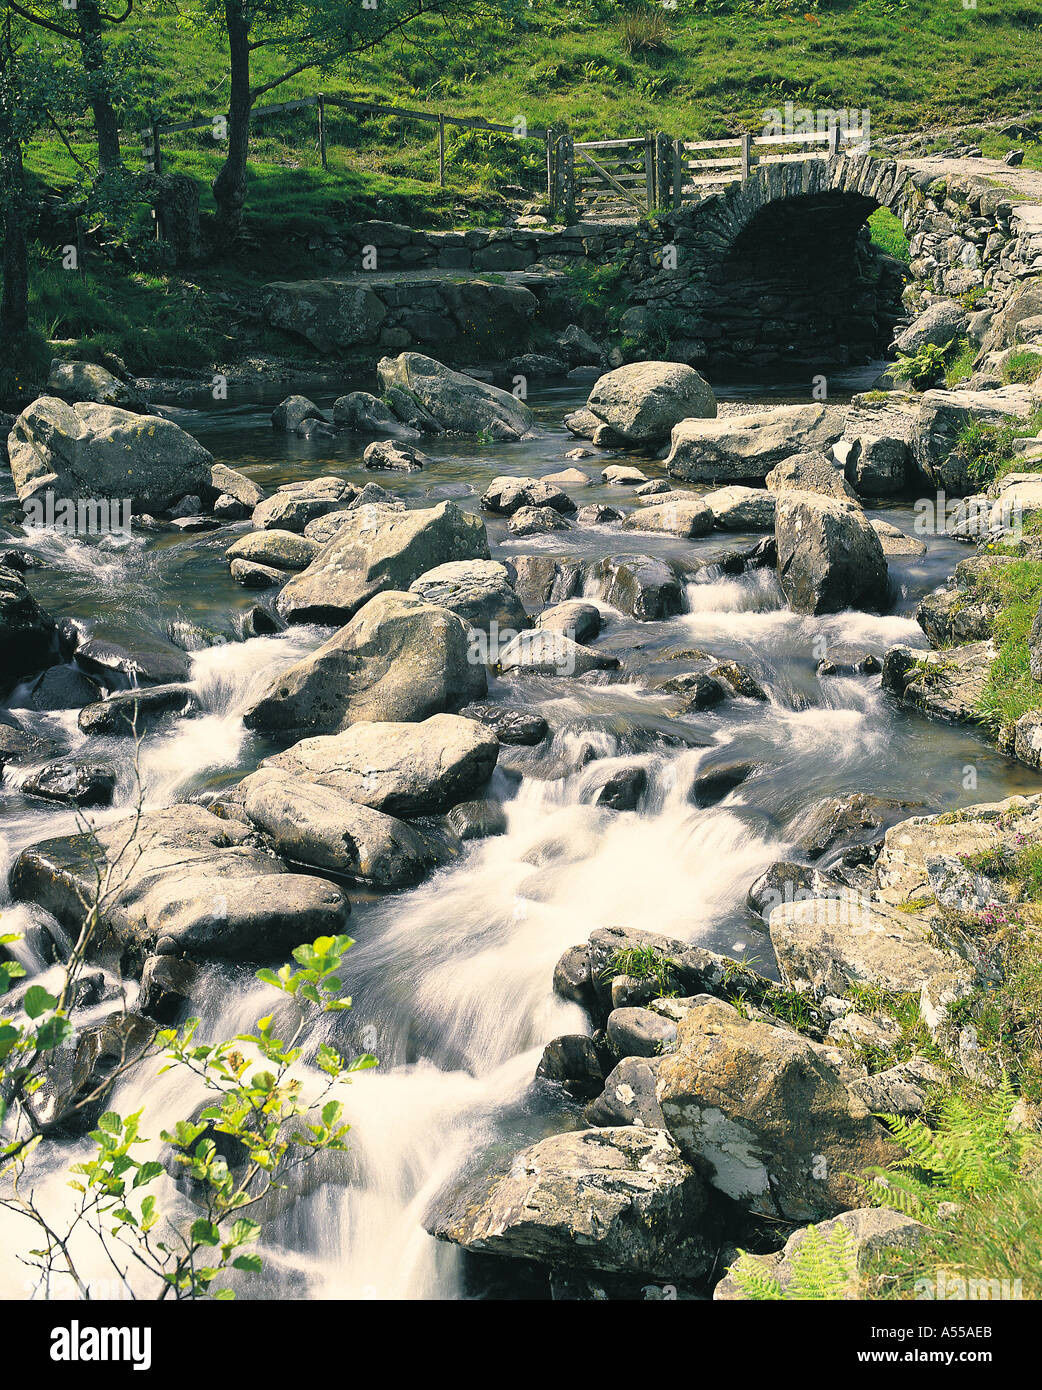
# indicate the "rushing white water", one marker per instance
pixel 452 980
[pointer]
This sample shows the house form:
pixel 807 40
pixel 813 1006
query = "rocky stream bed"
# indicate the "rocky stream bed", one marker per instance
pixel 517 695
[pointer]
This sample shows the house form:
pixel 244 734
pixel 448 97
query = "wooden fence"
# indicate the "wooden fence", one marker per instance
pixel 152 135
pixel 640 173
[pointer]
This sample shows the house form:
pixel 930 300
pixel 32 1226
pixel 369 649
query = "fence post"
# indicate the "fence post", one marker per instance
pixel 441 150
pixel 678 172
pixel 747 146
pixel 570 188
pixel 649 170
pixel 550 169
pixel 321 102
pixel 833 138
pixel 663 170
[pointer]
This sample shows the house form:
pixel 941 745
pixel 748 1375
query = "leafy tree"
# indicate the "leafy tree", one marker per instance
pixel 308 36
pixel 84 25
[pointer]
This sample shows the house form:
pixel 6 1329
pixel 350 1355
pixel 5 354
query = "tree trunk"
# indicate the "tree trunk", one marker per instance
pixel 14 306
pixel 229 187
pixel 92 50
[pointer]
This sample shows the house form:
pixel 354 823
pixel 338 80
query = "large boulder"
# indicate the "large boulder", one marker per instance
pixel 87 381
pixel 402 769
pixel 811 471
pixel 943 415
pixel 182 879
pixel 740 448
pixel 376 549
pixel 458 402
pixel 771 1112
pixel 312 823
pixel 938 325
pixel 478 590
pixel 642 401
pixel 642 586
pixel 829 557
pixel 619 1199
pixel 398 659
pixel 332 315
pixel 87 451
pixel 830 945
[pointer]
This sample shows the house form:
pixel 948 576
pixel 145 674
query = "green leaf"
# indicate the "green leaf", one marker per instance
pixel 225 1294
pixel 204 1232
pixel 110 1122
pixel 252 1263
pixel 331 1112
pixel 53 1033
pixel 244 1231
pixel 145 1174
pixel 37 1001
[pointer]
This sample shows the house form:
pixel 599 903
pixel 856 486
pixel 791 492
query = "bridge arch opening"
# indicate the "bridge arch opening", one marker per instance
pixel 802 287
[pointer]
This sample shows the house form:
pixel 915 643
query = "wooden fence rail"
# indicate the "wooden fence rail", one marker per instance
pixel 643 172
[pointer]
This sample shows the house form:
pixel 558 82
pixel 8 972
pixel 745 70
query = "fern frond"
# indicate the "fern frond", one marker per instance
pixel 756 1282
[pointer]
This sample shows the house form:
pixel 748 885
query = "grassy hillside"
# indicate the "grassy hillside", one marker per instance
pixel 705 68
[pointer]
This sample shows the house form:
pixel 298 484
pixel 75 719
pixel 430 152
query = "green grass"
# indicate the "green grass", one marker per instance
pixel 1010 690
pixel 707 68
pixel 1021 368
pixel 889 235
pixel 960 362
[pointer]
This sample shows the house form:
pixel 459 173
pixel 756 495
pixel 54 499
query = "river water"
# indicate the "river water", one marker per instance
pixel 451 981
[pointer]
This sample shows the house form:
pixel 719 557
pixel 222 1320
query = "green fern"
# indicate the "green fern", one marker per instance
pixel 969 1154
pixel 824 1267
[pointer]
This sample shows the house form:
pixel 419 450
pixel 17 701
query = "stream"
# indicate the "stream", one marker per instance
pixel 451 981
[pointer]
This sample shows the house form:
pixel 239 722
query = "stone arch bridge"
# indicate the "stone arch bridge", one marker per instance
pixel 775 269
